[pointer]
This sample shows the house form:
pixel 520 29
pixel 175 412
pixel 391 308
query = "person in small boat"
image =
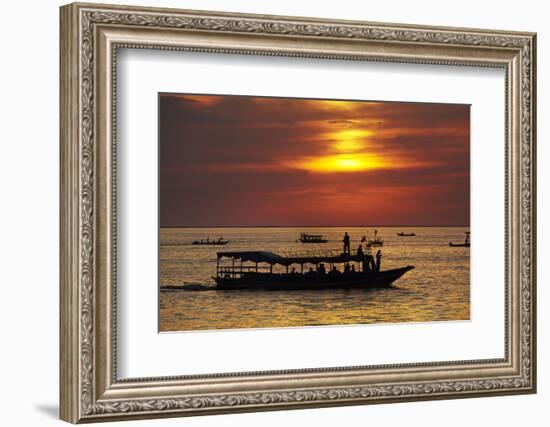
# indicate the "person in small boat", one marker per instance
pixel 334 270
pixel 310 272
pixel 360 251
pixel 346 267
pixel 352 268
pixel 347 248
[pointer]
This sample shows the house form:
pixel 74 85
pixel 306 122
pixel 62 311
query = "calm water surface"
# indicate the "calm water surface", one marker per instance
pixel 437 289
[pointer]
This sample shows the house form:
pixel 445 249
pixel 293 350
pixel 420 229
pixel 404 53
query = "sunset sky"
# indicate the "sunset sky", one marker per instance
pixel 256 161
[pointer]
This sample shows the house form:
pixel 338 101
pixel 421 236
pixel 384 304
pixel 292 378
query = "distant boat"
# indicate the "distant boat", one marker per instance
pixel 312 238
pixel 465 244
pixel 208 242
pixel 376 242
pixel 406 234
pixel 360 271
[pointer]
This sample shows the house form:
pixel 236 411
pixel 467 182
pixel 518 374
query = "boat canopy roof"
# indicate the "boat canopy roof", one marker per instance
pixel 272 258
pixel 254 256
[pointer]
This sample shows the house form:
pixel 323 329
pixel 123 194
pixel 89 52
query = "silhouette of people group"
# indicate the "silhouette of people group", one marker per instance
pixel 370 263
pixel 347 246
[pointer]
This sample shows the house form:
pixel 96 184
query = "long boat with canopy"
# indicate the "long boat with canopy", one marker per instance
pixel 312 238
pixel 255 270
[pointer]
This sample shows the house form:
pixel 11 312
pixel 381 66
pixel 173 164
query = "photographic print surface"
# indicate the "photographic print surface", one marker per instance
pixel 288 212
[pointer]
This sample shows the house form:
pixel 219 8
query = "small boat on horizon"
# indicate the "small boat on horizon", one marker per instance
pixel 208 242
pixel 402 234
pixel 376 242
pixel 360 271
pixel 312 238
pixel 465 244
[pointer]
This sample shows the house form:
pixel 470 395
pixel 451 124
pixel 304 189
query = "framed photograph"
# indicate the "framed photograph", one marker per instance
pixel 286 190
pixel 264 212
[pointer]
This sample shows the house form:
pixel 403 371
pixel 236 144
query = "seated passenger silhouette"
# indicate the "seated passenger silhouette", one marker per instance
pixel 321 269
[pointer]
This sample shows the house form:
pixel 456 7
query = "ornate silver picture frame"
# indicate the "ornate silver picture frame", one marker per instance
pixel 91 390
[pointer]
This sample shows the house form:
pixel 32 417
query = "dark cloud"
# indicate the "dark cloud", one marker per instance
pixel 226 160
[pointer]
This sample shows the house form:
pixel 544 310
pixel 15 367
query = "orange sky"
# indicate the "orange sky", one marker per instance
pixel 257 161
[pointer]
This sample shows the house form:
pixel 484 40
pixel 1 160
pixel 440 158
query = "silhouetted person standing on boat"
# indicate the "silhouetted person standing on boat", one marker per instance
pixel 378 260
pixel 347 248
pixel 369 264
pixel 360 251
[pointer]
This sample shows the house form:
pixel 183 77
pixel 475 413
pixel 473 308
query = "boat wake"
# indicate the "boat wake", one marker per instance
pixel 194 287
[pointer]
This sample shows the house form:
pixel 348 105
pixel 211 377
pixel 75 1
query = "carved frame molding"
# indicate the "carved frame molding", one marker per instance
pixel 90 37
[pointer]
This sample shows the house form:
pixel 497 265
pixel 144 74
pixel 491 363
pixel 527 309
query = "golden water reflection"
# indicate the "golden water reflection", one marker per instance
pixel 438 289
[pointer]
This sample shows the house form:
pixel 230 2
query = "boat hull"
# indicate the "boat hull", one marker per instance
pixel 266 281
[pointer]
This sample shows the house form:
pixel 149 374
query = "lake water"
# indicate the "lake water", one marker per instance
pixel 438 289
